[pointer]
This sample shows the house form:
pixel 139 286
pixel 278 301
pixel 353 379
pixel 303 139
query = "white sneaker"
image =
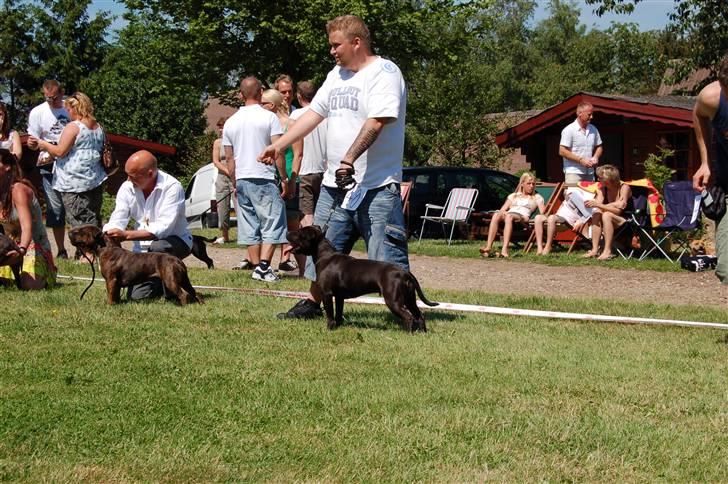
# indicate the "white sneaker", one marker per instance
pixel 219 241
pixel 265 276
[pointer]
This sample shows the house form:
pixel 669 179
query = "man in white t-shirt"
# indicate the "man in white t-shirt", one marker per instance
pixel 313 164
pixel 580 147
pixel 46 121
pixel 262 209
pixel 364 100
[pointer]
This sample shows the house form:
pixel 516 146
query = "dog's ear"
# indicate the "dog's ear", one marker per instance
pixel 100 239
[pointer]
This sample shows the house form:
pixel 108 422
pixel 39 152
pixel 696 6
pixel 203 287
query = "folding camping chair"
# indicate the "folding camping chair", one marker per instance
pixel 637 225
pixel 551 193
pixel 457 209
pixel 682 207
pixel 404 191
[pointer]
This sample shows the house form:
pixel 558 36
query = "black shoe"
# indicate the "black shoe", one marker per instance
pixel 62 254
pixel 304 309
pixel 287 266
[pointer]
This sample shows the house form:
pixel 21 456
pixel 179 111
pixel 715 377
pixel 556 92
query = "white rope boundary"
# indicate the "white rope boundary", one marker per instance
pixel 471 308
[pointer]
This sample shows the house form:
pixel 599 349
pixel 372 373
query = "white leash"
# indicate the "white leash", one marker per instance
pixel 473 308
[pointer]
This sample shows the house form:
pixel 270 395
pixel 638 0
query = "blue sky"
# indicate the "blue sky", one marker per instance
pixel 648 14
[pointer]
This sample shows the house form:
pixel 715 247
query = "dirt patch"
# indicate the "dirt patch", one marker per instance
pixel 523 278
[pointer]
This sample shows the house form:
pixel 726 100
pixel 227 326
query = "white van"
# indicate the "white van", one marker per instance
pixel 200 203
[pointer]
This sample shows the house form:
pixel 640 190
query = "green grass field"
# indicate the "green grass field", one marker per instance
pixel 225 392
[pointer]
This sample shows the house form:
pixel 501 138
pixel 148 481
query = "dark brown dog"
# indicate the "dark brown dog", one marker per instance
pixel 122 268
pixel 8 245
pixel 342 277
pixel 199 249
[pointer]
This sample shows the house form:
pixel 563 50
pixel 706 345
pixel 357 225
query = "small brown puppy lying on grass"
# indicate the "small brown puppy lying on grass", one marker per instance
pixel 122 268
pixel 8 245
pixel 342 277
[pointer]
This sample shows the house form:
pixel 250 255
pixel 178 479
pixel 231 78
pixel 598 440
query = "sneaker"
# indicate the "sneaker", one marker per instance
pixel 62 254
pixel 304 309
pixel 244 265
pixel 287 266
pixel 265 276
pixel 218 241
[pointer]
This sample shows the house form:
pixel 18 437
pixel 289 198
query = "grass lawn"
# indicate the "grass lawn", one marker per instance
pixel 224 391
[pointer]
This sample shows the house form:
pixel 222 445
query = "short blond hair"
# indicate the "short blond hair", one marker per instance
pixel 80 103
pixel 582 106
pixel 610 172
pixel 276 98
pixel 351 26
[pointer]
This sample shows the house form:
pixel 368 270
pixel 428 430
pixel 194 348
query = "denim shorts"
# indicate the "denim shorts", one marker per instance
pixel 379 220
pixel 262 212
pixel 55 212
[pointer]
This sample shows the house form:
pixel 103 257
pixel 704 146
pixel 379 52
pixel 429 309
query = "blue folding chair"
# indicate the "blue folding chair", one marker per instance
pixel 682 214
pixel 637 225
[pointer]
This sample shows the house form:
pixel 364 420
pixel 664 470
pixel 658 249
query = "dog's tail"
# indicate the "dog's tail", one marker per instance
pixel 420 293
pixel 211 239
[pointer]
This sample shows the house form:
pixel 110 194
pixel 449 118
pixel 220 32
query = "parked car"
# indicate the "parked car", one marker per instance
pixel 200 203
pixel 432 184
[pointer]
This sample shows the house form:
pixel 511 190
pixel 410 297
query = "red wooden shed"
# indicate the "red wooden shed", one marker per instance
pixel 631 129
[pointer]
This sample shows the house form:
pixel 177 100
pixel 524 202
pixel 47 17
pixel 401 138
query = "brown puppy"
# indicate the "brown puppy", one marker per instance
pixel 342 277
pixel 8 245
pixel 123 268
pixel 697 247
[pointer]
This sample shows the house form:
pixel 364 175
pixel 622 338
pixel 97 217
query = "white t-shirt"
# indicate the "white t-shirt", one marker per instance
pixel 347 99
pixel 581 142
pixel 249 132
pixel 47 123
pixel 314 146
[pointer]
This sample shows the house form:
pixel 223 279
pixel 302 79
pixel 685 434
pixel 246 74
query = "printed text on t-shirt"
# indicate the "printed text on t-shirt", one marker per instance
pixel 344 98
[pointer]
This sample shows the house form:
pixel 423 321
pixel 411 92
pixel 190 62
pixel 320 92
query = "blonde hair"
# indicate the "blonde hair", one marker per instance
pixel 525 177
pixel 610 172
pixel 351 26
pixel 80 103
pixel 274 96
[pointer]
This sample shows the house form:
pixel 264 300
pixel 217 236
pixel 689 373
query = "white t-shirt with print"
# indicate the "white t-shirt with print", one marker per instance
pixel 581 142
pixel 347 99
pixel 249 132
pixel 47 123
pixel 314 146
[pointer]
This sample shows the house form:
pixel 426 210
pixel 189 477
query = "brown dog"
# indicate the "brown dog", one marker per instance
pixel 122 268
pixel 8 245
pixel 342 277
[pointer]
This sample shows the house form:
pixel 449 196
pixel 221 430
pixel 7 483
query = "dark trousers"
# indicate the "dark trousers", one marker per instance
pixel 153 288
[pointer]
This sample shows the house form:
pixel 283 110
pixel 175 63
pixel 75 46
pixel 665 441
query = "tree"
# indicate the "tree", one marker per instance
pixel 702 25
pixel 51 39
pixel 148 88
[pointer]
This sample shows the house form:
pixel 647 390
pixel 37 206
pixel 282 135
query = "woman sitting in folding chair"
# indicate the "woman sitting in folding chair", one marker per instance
pixel 518 207
pixel 613 198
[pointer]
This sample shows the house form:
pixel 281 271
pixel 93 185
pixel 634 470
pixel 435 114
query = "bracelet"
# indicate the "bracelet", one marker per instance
pixel 351 164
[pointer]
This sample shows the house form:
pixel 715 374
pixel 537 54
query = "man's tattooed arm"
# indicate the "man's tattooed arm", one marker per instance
pixel 366 137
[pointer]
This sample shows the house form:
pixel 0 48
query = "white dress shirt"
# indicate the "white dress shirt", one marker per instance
pixel 162 213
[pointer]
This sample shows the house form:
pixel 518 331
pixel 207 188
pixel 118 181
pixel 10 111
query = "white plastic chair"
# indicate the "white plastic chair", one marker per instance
pixel 457 209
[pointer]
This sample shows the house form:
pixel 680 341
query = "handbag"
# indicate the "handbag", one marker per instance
pixel 713 202
pixel 108 158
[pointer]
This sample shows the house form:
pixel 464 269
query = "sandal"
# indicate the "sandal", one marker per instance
pixel 485 252
pixel 245 265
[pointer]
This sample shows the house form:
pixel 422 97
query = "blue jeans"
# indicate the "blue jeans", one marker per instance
pixel 55 212
pixel 262 212
pixel 379 220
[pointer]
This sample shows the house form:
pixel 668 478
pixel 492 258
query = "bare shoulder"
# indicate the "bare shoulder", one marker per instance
pixel 22 192
pixel 708 98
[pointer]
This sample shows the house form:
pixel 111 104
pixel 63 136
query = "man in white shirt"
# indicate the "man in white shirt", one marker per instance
pixel 364 99
pixel 46 121
pixel 313 164
pixel 262 209
pixel 156 201
pixel 284 85
pixel 580 147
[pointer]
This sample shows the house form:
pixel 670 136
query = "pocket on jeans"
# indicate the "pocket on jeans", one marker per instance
pixel 395 236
